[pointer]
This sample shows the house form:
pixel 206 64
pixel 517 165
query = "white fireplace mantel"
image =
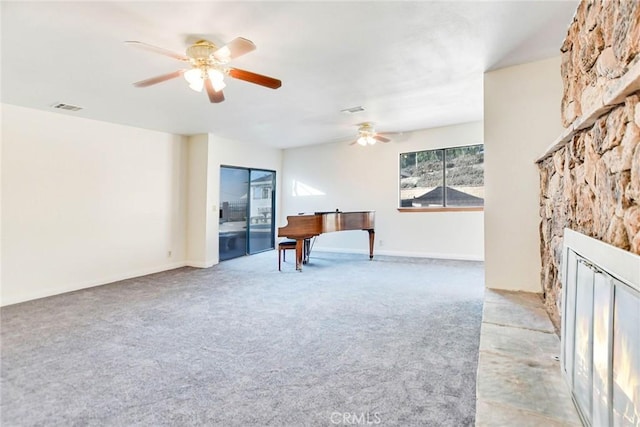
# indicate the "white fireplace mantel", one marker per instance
pixel 615 261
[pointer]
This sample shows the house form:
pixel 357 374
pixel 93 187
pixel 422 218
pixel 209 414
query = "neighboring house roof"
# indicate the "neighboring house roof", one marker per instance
pixel 265 178
pixel 434 198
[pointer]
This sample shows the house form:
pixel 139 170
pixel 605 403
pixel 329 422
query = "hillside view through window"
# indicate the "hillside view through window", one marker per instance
pixel 446 177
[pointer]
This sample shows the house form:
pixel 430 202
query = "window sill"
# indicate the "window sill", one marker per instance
pixel 444 209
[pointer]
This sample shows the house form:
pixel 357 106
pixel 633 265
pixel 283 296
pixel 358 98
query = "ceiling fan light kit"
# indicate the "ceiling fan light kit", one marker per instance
pixel 367 135
pixel 366 140
pixel 196 78
pixel 209 66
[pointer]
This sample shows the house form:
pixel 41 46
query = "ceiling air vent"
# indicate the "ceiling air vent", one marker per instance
pixel 352 110
pixel 68 107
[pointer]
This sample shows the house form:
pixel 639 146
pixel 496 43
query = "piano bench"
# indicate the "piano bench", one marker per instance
pixel 283 246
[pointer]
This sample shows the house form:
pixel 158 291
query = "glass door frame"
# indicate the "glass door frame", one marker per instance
pixel 263 214
pixel 253 220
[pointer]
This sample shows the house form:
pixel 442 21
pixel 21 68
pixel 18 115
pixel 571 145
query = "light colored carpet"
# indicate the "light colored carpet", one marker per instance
pixel 393 341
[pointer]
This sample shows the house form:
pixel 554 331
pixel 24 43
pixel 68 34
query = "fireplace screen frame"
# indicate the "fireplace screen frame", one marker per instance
pixel 604 272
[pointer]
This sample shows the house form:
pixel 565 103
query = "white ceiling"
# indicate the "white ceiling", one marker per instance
pixel 411 65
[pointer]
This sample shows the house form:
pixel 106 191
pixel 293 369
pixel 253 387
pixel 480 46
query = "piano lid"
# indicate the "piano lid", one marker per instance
pixel 307 225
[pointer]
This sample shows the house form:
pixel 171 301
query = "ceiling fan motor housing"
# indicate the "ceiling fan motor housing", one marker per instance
pixel 201 50
pixel 366 129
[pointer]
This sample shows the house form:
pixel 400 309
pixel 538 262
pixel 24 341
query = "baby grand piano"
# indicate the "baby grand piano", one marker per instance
pixel 304 226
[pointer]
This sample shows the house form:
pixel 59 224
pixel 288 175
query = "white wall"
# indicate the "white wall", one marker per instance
pixel 521 119
pixel 339 176
pixel 197 188
pixel 1 239
pixel 86 203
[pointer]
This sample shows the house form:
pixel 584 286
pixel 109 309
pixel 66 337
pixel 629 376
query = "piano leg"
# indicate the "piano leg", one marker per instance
pixel 372 239
pixel 299 253
pixel 307 251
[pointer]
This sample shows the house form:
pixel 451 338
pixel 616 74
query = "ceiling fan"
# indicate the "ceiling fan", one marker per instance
pixel 367 135
pixel 208 66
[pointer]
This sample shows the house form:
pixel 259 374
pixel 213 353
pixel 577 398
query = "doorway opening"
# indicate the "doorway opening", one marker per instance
pixel 247 204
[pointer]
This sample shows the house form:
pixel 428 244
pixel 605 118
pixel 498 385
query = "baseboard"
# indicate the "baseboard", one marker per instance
pixel 200 264
pixel 460 257
pixel 6 301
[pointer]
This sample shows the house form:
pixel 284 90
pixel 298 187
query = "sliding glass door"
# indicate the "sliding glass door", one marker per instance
pixel 232 235
pixel 261 207
pixel 246 206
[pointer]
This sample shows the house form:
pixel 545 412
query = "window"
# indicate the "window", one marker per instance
pixel 261 193
pixel 443 178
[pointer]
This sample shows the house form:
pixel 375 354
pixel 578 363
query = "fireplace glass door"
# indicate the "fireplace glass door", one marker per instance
pixel 602 291
pixel 582 373
pixel 601 345
pixel 626 358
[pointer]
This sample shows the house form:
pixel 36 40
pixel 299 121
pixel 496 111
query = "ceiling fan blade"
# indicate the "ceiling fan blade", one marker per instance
pixel 159 50
pixel 381 138
pixel 258 79
pixel 158 79
pixel 235 48
pixel 214 97
pixel 353 143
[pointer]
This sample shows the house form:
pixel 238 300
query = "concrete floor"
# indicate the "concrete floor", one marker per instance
pixel 519 379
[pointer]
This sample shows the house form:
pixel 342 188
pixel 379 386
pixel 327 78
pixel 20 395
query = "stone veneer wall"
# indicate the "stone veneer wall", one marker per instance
pixel 590 178
pixel 602 41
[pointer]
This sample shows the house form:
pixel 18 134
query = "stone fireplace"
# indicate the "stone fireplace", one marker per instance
pixel 590 176
pixel 590 209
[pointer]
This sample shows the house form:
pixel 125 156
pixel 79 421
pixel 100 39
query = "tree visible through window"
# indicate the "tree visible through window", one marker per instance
pixel 446 177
